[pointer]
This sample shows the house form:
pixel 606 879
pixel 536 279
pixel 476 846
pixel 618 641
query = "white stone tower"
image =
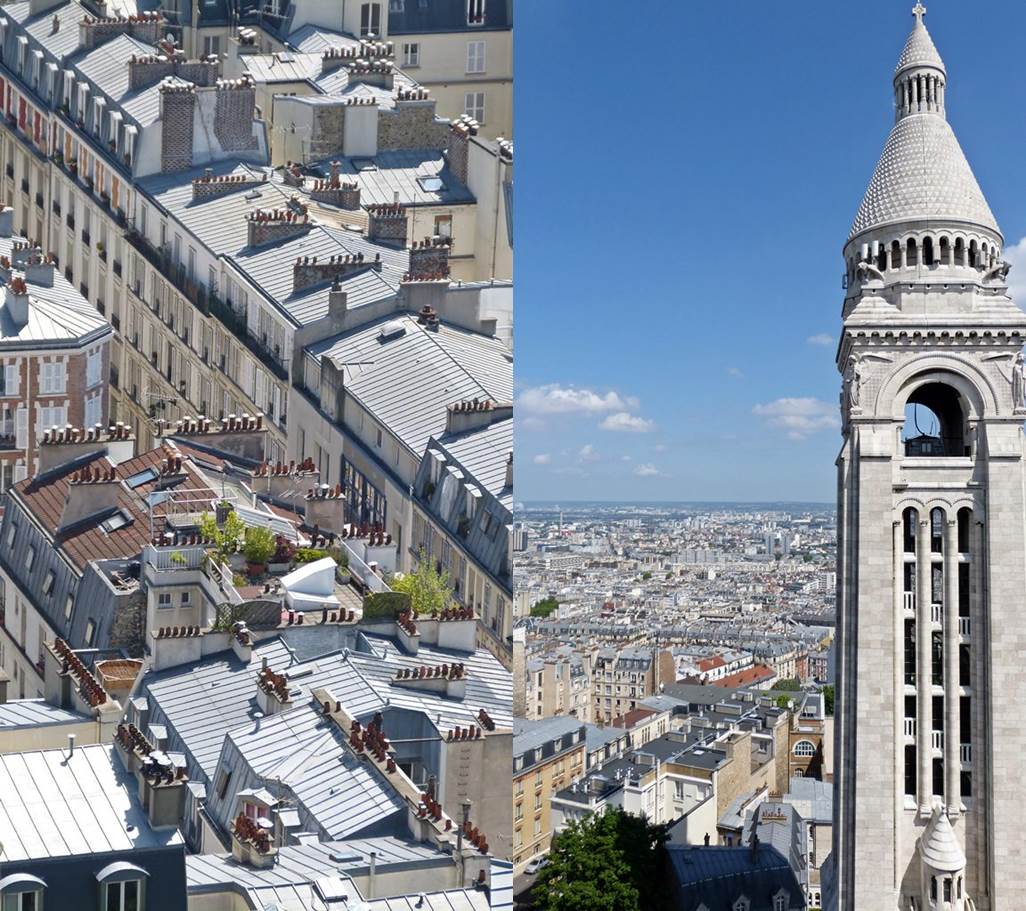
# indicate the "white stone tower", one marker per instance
pixel 931 638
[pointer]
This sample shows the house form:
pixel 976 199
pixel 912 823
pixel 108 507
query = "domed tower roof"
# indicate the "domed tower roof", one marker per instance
pixel 922 174
pixel 938 846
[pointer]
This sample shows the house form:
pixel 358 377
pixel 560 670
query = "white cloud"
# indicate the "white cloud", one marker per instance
pixel 798 416
pixel 543 458
pixel 555 399
pixel 627 423
pixel 626 459
pixel 532 424
pixel 588 454
pixel 735 372
pixel 648 470
pixel 823 338
pixel 660 447
pixel 1016 257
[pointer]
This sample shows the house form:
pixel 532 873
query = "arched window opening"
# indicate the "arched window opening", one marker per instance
pixel 909 524
pixel 934 422
pixel 881 257
pixel 959 251
pixel 974 254
pixel 896 255
pixel 805 748
pixel 937 531
pixel 911 252
pixel 928 251
pixel 965 515
pixel 945 251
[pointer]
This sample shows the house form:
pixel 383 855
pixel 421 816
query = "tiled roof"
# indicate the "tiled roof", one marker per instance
pixel 922 174
pixel 45 498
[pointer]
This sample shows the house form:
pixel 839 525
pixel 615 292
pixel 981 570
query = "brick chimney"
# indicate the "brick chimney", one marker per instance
pixel 92 491
pixel 208 186
pixel 336 192
pixel 148 69
pixel 366 54
pixel 325 508
pixel 474 414
pixel 449 680
pixel 244 436
pixel 337 300
pixel 94 31
pixel 285 483
pixel 177 110
pixel 272 225
pixel 429 259
pixel 64 444
pixel 387 223
pixel 310 270
pixel 16 300
pixel 458 151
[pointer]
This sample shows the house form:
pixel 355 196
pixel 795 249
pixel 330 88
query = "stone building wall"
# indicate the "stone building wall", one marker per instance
pixel 412 125
pixel 233 124
pixel 177 109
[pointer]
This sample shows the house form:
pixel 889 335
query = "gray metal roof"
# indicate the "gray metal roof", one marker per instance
pixel 56 805
pixel 530 735
pixel 30 713
pixel 314 39
pixel 106 66
pixel 56 315
pixel 401 171
pixel 408 381
pixel 483 453
pixel 453 900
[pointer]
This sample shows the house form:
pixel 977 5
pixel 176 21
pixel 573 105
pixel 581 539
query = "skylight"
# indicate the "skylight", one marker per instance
pixel 431 184
pixel 364 164
pixel 141 477
pixel 116 521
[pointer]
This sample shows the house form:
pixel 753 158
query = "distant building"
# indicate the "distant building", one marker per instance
pixel 756 878
pixel 621 679
pixel 547 755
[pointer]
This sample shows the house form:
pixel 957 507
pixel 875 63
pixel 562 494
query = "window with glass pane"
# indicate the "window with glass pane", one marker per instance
pixel 23 901
pixel 126 896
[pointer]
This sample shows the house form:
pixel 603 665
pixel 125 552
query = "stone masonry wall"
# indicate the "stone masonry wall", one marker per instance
pixel 412 125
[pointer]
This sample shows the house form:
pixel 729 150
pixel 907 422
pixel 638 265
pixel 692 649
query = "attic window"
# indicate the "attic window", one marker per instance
pixel 116 521
pixel 90 632
pixel 141 477
pixel 364 164
pixel 431 184
pixel 48 582
pixel 392 329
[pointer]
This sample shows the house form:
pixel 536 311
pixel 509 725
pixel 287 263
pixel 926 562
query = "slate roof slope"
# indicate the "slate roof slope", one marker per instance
pixel 716 877
pixel 106 66
pixel 56 805
pixel 407 381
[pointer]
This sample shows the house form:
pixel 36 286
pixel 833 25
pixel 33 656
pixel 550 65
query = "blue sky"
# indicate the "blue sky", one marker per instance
pixel 687 174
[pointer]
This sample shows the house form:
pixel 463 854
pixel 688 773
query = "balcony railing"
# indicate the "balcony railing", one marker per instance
pixel 964 626
pixel 937 613
pixel 910 727
pixel 910 602
pixel 965 753
pixel 937 740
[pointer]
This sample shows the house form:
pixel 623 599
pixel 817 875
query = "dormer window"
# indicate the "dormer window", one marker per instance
pixel 122 887
pixel 370 20
pixel 21 892
pixel 475 12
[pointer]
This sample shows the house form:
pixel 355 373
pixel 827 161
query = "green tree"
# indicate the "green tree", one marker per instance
pixel 544 607
pixel 828 699
pixel 226 538
pixel 610 861
pixel 646 575
pixel 783 702
pixel 790 684
pixel 430 591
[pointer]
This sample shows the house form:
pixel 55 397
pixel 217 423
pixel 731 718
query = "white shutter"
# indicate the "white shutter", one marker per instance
pixel 21 428
pixel 11 379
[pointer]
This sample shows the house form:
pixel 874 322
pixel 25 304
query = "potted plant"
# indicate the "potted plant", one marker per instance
pixel 342 575
pixel 225 537
pixel 177 558
pixel 284 552
pixel 258 547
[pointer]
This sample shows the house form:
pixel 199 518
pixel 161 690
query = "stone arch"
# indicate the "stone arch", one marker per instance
pixel 944 250
pixel 965 376
pixel 896 254
pixel 959 251
pixel 911 252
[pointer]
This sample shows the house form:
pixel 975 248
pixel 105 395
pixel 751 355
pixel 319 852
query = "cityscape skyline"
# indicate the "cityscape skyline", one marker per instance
pixel 618 407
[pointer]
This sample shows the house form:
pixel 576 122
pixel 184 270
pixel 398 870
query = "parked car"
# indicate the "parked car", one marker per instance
pixel 535 864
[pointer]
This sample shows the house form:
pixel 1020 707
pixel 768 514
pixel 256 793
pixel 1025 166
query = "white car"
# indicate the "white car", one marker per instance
pixel 535 864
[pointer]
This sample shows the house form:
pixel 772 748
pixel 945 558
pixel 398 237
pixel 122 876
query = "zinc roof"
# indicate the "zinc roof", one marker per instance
pixel 483 454
pixel 53 804
pixel 407 381
pixel 107 67
pixel 27 713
